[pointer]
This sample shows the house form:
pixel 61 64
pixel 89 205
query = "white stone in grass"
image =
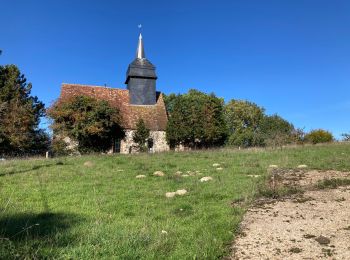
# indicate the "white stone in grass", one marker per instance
pixel 140 176
pixel 273 166
pixel 302 166
pixel 170 194
pixel 164 232
pixel 178 172
pixel 158 173
pixel 253 176
pixel 88 164
pixel 208 178
pixel 185 175
pixel 181 192
pixel 216 164
pixel 219 169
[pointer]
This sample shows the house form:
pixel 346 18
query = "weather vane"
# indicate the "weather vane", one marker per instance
pixel 140 26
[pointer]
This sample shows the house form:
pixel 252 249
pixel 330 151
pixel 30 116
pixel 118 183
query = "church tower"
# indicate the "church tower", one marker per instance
pixel 141 78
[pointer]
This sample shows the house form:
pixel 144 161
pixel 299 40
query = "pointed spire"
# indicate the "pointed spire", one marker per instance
pixel 140 52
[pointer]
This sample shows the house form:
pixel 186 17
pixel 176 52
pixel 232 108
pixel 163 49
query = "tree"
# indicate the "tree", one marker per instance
pixel 20 114
pixel 298 136
pixel 141 135
pixel 170 101
pixel 215 128
pixel 319 136
pixel 243 120
pixel 195 120
pixel 276 131
pixel 92 123
pixel 346 137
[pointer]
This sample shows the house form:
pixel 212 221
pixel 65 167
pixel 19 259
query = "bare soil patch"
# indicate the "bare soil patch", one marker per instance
pixel 309 225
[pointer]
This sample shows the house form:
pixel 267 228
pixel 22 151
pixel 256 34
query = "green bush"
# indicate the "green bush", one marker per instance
pixel 141 135
pixel 93 123
pixel 59 147
pixel 319 136
pixel 276 131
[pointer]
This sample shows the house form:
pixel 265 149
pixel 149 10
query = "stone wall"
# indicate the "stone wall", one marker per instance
pixel 159 139
pixel 127 145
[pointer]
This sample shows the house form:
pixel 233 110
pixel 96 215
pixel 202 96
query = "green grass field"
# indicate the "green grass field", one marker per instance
pixel 59 208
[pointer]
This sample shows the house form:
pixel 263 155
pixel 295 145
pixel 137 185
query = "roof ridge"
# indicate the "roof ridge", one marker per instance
pixel 133 105
pixel 92 86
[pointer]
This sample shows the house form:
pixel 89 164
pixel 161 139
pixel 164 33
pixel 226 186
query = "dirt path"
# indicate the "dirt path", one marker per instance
pixel 312 225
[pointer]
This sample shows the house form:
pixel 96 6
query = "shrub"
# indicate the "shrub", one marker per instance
pixel 59 147
pixel 319 136
pixel 332 183
pixel 141 135
pixel 276 131
pixel 298 136
pixel 92 123
pixel 346 137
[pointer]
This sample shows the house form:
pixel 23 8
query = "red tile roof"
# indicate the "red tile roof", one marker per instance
pixel 155 116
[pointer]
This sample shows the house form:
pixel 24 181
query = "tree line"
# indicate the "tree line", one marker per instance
pixel 199 120
pixel 196 120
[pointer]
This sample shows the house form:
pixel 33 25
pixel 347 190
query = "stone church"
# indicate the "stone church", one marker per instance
pixel 139 100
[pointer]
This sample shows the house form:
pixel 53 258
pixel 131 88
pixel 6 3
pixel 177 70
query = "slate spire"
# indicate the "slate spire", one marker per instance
pixel 140 52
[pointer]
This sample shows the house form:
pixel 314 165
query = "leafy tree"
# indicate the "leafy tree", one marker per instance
pixel 141 135
pixel 20 114
pixel 195 120
pixel 93 123
pixel 177 129
pixel 319 136
pixel 346 137
pixel 276 131
pixel 243 120
pixel 215 129
pixel 298 136
pixel 169 101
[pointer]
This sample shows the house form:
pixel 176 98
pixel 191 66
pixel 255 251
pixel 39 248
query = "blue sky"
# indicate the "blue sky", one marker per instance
pixel 290 56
